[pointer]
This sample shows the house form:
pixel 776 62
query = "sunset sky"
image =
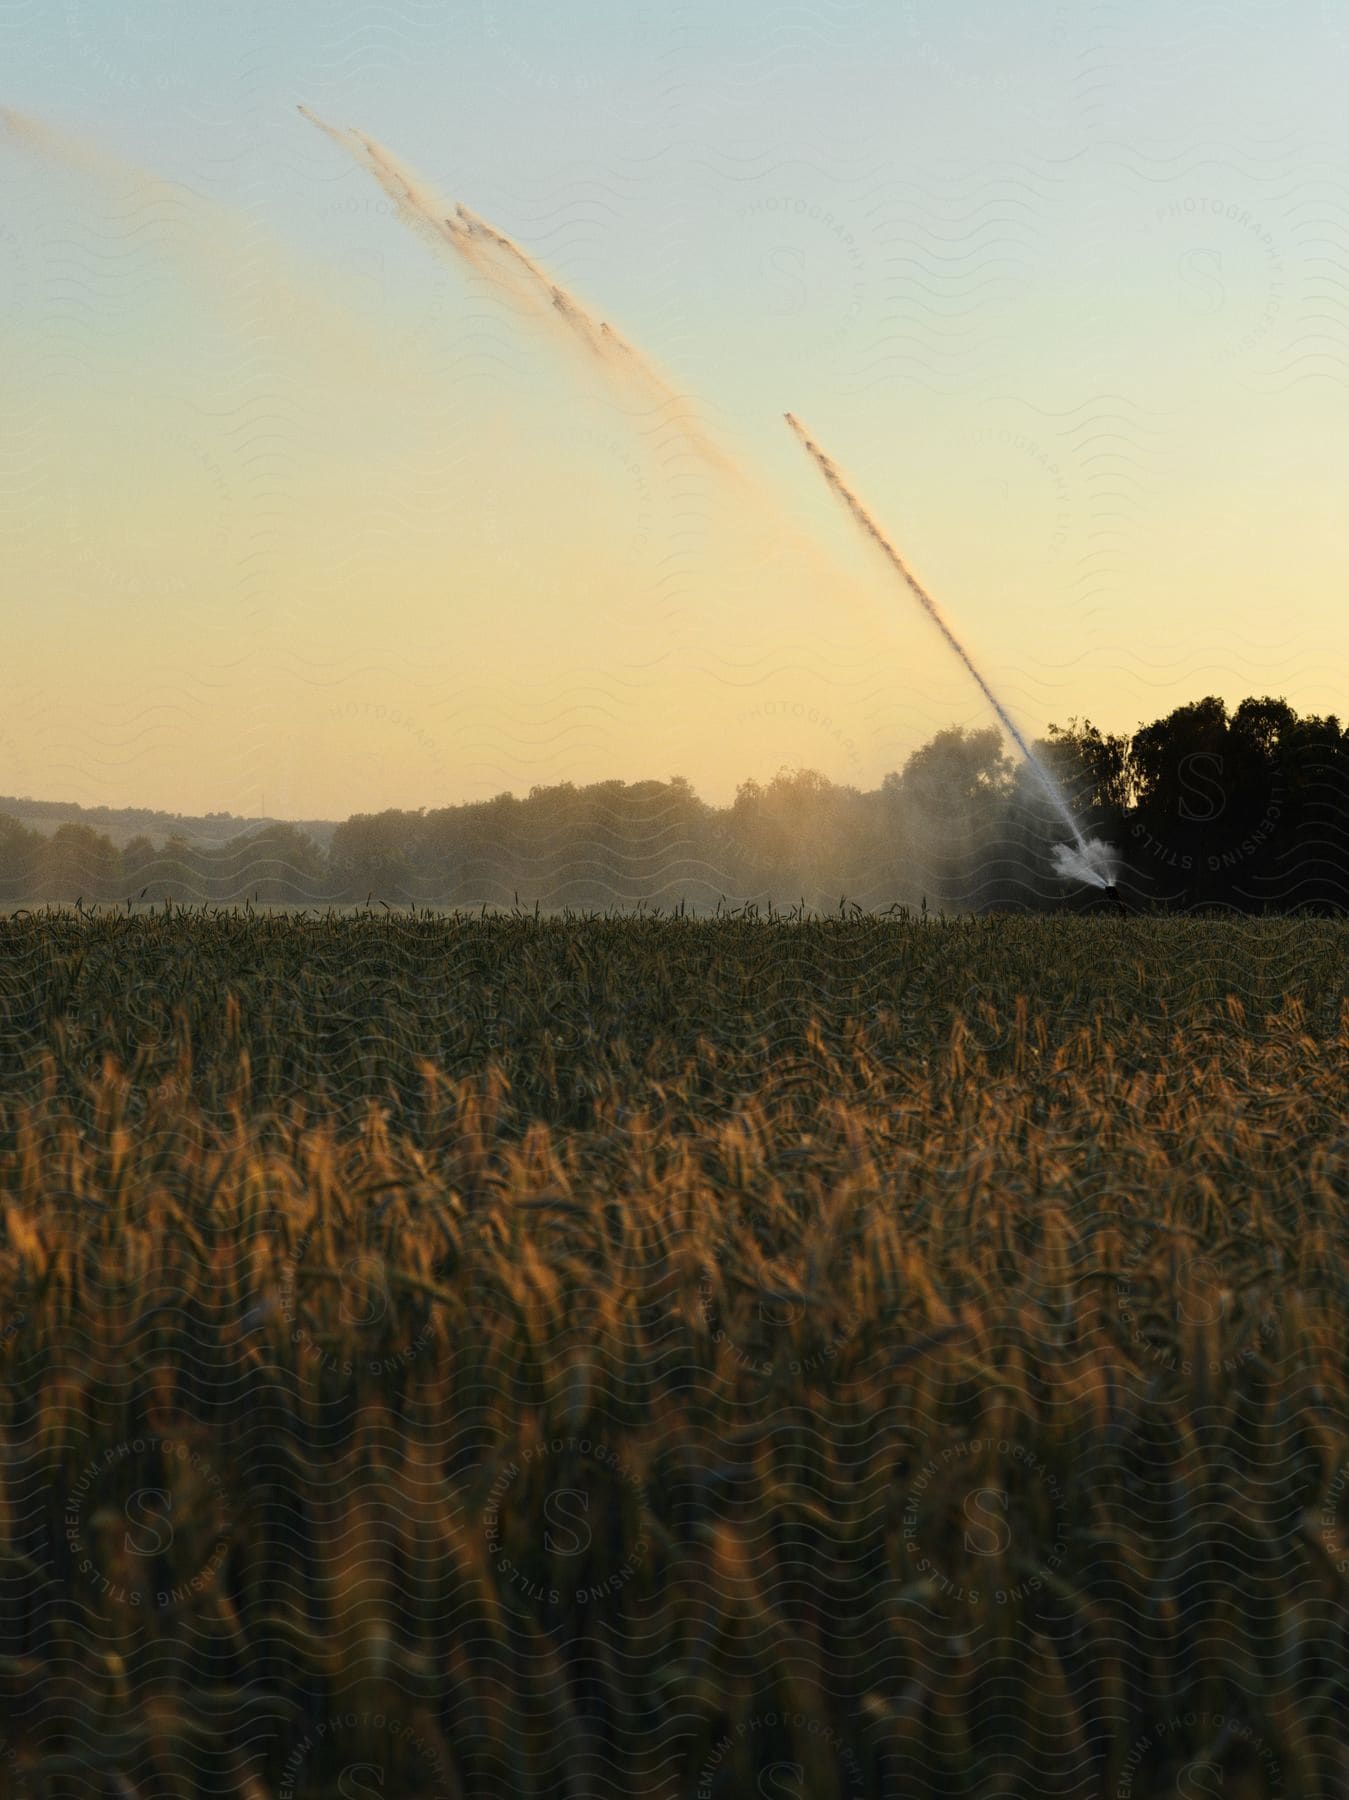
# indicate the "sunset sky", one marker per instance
pixel 303 517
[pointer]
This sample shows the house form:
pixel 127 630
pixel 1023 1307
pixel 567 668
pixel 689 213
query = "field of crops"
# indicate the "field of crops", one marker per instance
pixel 656 1357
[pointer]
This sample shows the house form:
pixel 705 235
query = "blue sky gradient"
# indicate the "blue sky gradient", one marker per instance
pixel 1065 290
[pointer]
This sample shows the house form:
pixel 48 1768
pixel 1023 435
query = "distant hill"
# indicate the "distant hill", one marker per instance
pixel 122 823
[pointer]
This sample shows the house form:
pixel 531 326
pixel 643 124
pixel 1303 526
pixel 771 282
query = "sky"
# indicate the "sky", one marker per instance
pixel 305 516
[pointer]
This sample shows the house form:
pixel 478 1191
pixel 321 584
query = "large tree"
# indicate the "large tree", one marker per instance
pixel 280 864
pixel 371 857
pixel 20 858
pixel 1095 770
pixel 77 862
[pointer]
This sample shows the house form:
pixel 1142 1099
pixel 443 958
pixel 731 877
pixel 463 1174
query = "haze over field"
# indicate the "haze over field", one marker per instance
pixel 312 514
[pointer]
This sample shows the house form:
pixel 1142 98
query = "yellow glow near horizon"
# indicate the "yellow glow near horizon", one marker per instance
pixel 359 538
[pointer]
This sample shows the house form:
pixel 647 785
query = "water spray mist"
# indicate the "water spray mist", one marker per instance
pixel 1092 862
pixel 528 287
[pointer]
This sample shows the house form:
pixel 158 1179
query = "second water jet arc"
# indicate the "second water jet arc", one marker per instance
pixel 1093 862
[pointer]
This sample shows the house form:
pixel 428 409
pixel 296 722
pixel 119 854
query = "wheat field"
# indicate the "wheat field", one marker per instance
pixel 854 1356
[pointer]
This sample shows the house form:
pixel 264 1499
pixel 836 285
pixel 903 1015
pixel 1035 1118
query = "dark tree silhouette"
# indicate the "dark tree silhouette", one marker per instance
pixel 1247 810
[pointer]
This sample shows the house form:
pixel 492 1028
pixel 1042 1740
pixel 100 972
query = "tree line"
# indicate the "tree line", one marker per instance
pixel 1247 809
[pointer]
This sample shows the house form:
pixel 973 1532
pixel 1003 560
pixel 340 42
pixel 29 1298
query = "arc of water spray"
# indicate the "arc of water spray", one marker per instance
pixel 478 244
pixel 512 270
pixel 225 255
pixel 829 469
pixel 490 253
